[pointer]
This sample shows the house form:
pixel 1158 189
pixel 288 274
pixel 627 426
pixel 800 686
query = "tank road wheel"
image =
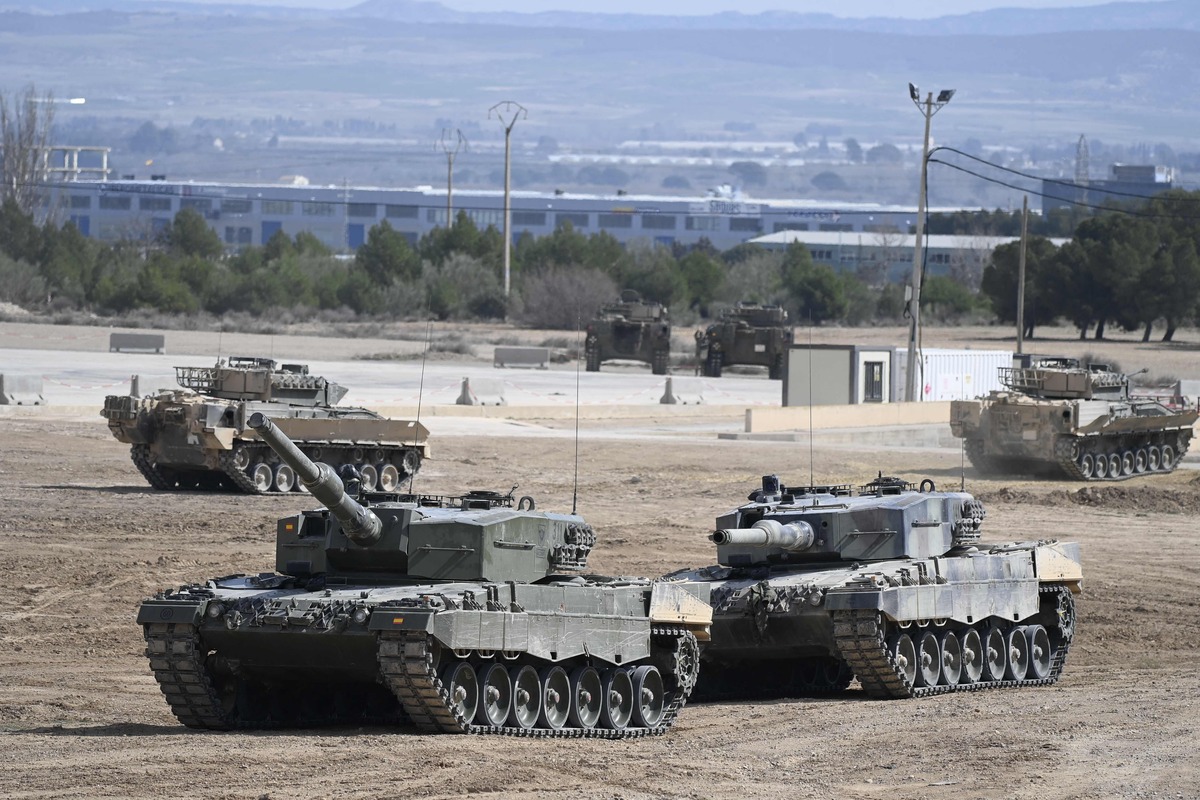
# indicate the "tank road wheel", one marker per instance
pixel 1153 458
pixel 972 656
pixel 241 457
pixel 952 658
pixel 904 653
pixel 649 696
pixel 1141 460
pixel 462 690
pixel 1127 463
pixel 1101 471
pixel 1168 458
pixel 495 694
pixel 1017 650
pixel 1040 653
pixel 929 660
pixel 262 477
pixel 284 479
pixel 389 477
pixel 369 476
pixel 527 697
pixel 1087 466
pixel 587 698
pixel 618 699
pixel 591 355
pixel 994 659
pixel 1114 466
pixel 556 698
pixel 410 463
pixel 660 362
pixel 775 371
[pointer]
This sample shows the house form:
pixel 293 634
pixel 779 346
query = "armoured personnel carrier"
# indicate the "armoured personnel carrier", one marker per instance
pixel 452 614
pixel 815 585
pixel 1078 420
pixel 631 329
pixel 746 334
pixel 196 437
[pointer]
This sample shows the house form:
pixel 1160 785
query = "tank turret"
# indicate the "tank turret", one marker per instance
pixel 886 582
pixel 456 614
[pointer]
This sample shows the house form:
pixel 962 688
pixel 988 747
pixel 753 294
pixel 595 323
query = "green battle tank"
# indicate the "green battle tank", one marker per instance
pixel 450 614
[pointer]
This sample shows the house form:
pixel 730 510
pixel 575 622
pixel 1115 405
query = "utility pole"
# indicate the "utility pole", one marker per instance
pixel 1021 277
pixel 508 112
pixel 928 107
pixel 451 150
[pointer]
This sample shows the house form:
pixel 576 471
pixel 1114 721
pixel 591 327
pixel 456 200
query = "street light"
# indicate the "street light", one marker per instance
pixel 928 107
pixel 508 112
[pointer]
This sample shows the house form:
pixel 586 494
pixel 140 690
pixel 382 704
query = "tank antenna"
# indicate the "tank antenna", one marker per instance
pixel 412 479
pixel 575 482
pixel 811 480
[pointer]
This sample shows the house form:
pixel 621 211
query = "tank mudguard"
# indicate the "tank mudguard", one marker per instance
pixel 401 619
pixel 188 612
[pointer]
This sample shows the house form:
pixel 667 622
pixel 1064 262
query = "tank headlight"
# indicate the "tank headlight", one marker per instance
pixel 361 615
pixel 215 610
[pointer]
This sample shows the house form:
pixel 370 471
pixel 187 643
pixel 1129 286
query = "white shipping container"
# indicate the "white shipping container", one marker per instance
pixel 954 374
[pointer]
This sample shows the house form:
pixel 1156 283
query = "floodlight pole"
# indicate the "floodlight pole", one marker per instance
pixel 451 150
pixel 913 388
pixel 508 112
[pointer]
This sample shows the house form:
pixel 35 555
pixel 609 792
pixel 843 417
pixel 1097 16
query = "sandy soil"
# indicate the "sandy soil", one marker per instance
pixel 83 540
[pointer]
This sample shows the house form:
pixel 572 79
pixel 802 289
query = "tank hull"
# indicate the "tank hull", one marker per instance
pixel 811 628
pixel 254 652
pixel 733 342
pixel 1081 439
pixel 180 440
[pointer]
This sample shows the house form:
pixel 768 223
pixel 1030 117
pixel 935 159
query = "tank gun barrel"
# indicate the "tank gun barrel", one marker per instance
pixel 360 523
pixel 798 535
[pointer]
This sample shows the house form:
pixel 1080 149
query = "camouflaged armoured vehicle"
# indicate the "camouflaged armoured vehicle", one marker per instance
pixel 815 585
pixel 629 329
pixel 197 438
pixel 746 334
pixel 1079 420
pixel 451 614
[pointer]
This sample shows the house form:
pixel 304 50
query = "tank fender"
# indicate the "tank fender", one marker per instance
pixel 188 612
pixel 1059 562
pixel 686 604
pixel 400 619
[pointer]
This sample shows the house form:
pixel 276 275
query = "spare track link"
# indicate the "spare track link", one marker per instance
pixel 860 638
pixel 406 662
pixel 154 475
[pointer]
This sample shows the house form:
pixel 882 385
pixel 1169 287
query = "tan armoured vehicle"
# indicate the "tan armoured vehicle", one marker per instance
pixel 1080 420
pixel 197 438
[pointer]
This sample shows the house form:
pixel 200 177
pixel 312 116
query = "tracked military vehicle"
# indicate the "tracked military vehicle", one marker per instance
pixel 749 334
pixel 197 438
pixel 890 584
pixel 1077 420
pixel 630 329
pixel 451 614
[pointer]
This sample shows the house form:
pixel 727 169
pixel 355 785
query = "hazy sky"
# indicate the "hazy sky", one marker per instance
pixel 843 8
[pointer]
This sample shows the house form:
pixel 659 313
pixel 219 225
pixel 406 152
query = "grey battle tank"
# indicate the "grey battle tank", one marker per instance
pixel 196 438
pixel 451 614
pixel 1077 420
pixel 630 329
pixel 816 585
pixel 746 334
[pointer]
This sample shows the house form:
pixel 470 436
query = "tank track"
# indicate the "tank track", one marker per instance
pixel 177 660
pixel 1067 455
pixel 156 476
pixel 407 661
pixel 241 479
pixel 860 636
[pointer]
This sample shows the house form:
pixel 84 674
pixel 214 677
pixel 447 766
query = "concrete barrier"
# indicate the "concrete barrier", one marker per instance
pixel 859 415
pixel 537 357
pixel 137 342
pixel 21 390
pixel 483 393
pixel 682 392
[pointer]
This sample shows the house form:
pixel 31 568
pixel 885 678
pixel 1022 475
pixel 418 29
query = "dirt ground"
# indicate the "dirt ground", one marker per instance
pixel 83 540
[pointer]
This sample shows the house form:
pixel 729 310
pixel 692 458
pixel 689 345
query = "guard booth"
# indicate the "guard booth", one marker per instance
pixel 836 374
